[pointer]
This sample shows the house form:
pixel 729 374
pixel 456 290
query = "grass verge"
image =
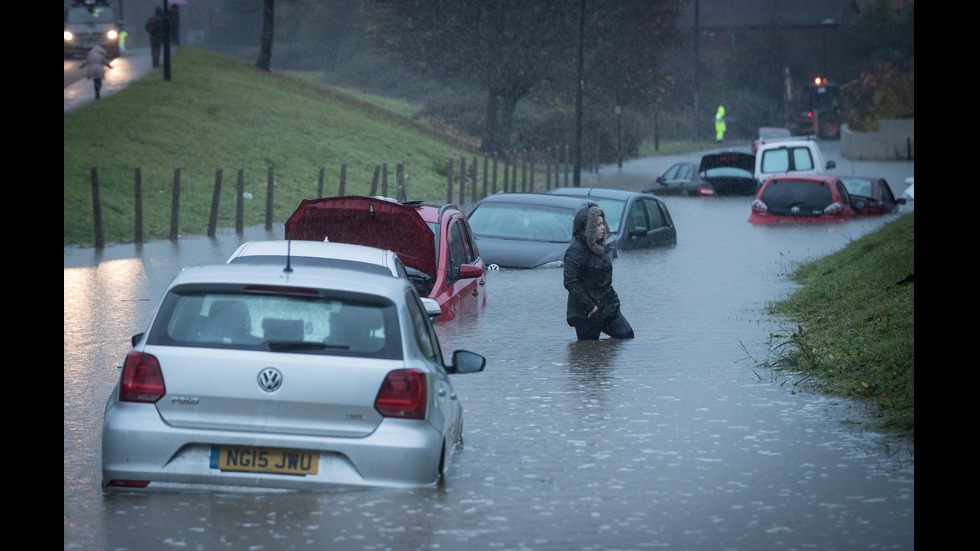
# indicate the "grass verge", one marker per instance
pixel 855 312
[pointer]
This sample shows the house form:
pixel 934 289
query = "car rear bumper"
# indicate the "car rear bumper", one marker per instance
pixel 138 446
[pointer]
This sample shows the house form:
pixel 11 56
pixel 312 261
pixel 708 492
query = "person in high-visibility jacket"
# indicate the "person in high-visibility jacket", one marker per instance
pixel 720 123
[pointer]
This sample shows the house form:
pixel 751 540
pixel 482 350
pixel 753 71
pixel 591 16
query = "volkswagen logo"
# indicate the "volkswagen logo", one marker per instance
pixel 270 379
pixel 795 209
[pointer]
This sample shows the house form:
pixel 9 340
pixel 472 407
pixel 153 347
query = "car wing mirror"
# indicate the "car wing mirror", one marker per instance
pixel 135 339
pixel 831 164
pixel 465 361
pixel 469 270
pixel 432 308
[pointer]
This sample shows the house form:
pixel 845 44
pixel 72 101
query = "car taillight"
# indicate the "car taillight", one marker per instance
pixel 833 208
pixel 759 207
pixel 142 380
pixel 403 394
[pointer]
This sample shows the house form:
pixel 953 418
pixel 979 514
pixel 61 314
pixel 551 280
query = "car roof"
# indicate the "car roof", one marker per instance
pixel 536 199
pixel 343 253
pixel 297 276
pixel 788 144
pixel 604 193
pixel 819 178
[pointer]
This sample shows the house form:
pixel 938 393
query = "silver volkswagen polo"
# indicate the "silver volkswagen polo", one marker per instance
pixel 293 377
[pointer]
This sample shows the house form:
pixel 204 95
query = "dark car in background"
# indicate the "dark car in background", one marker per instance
pixel 871 196
pixel 89 23
pixel 716 174
pixel 801 198
pixel 525 230
pixel 434 242
pixel 635 220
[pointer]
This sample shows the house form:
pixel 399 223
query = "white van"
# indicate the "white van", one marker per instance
pixel 795 157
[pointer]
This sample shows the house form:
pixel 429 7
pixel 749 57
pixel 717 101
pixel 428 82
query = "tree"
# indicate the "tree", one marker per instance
pixel 513 47
pixel 268 22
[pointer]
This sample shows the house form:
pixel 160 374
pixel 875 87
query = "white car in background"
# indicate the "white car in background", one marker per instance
pixel 300 377
pixel 792 157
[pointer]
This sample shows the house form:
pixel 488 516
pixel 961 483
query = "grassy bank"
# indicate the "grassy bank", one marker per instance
pixel 855 311
pixel 221 112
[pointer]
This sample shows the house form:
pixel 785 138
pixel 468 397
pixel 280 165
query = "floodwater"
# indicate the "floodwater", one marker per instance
pixel 678 439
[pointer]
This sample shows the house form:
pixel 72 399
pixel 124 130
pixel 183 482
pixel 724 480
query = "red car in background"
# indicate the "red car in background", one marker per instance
pixel 871 196
pixel 434 242
pixel 801 198
pixel 768 134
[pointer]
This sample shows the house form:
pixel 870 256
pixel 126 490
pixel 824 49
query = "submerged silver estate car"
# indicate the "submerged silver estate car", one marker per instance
pixel 293 377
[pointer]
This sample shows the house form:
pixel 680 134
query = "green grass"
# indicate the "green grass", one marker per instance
pixel 221 112
pixel 856 323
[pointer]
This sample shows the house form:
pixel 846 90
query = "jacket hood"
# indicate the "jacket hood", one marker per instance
pixel 584 226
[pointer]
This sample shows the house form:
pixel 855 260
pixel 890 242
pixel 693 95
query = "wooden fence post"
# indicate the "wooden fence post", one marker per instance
pixel 449 182
pixel 524 172
pixel 343 179
pixel 384 179
pixel 486 162
pixel 462 179
pixel 215 199
pixel 473 182
pixel 506 172
pixel 268 200
pixel 400 181
pixel 494 185
pixel 240 203
pixel 319 184
pixel 374 181
pixel 175 206
pixel 530 184
pixel 97 209
pixel 138 205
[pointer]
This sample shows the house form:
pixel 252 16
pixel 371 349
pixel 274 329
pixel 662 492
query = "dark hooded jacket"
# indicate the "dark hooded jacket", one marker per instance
pixel 588 272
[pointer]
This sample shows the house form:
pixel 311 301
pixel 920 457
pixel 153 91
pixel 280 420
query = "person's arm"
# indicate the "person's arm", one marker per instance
pixel 573 283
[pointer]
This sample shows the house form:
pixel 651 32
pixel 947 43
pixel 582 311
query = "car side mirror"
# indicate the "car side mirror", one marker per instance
pixel 432 308
pixel 831 164
pixel 135 339
pixel 469 270
pixel 465 361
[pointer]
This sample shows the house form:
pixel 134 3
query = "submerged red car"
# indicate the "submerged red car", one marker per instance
pixel 434 242
pixel 791 199
pixel 871 196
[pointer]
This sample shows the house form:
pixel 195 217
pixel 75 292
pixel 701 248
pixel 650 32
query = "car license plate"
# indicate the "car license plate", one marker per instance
pixel 264 460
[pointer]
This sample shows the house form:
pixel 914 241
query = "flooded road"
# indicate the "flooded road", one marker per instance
pixel 674 440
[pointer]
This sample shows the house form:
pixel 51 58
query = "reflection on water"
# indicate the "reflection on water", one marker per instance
pixel 667 440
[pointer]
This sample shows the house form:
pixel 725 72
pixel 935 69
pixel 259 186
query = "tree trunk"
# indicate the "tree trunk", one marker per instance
pixel 268 21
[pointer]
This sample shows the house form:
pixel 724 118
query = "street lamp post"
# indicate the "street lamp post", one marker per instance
pixel 166 41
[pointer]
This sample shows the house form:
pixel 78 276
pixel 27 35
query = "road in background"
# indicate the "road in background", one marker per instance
pixel 131 66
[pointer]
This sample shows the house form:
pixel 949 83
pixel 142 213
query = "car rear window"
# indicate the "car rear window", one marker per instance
pixel 278 320
pixel 796 197
pixel 786 159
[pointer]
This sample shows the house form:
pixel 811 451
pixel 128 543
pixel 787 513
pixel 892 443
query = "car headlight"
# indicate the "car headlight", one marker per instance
pixel 112 34
pixel 68 35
